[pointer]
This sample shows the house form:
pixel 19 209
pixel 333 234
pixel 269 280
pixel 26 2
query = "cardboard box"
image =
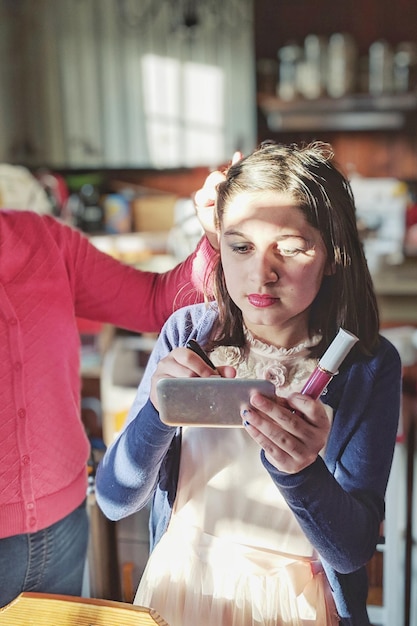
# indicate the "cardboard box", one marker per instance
pixel 153 212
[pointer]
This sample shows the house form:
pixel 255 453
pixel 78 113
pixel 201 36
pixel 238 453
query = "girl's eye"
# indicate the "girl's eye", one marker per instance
pixel 292 246
pixel 285 251
pixel 240 248
pixel 287 248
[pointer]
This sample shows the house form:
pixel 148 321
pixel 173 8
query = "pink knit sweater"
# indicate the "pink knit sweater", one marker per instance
pixel 49 274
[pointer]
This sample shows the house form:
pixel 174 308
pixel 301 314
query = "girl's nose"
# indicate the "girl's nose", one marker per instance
pixel 266 268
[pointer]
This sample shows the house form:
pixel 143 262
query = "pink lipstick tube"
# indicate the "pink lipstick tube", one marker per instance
pixel 329 364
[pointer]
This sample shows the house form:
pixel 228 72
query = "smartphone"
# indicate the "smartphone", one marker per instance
pixel 213 401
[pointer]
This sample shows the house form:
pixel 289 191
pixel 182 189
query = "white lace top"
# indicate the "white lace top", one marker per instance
pixel 288 368
pixel 234 554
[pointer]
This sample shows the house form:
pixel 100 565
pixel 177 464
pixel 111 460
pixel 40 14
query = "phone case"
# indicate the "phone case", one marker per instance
pixel 210 401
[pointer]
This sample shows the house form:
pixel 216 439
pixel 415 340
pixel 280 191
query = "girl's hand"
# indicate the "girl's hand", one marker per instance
pixel 184 363
pixel 291 431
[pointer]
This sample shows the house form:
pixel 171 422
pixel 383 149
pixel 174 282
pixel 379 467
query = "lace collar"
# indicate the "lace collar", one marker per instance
pixel 259 346
pixel 287 368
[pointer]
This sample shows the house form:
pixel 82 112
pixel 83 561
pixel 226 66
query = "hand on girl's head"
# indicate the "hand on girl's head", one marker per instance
pixel 205 200
pixel 291 431
pixel 206 196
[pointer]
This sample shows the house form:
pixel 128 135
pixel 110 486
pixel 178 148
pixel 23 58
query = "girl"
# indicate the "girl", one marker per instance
pixel 273 523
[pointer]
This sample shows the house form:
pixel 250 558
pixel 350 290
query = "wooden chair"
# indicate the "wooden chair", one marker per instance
pixel 43 609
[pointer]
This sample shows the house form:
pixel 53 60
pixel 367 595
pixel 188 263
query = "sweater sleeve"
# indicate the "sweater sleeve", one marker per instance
pixel 128 474
pixel 339 501
pixel 131 468
pixel 107 290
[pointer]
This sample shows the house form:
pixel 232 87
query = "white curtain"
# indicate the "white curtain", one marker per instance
pixel 124 83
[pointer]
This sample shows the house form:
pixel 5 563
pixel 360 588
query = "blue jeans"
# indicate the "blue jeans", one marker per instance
pixel 49 561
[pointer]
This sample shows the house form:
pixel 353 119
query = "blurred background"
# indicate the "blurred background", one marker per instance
pixel 113 112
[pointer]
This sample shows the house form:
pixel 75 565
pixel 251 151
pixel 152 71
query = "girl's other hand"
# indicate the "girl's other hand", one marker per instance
pixel 184 363
pixel 291 431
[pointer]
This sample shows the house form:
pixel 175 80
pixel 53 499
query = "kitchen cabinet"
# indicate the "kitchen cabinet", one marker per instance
pixel 371 136
pixel 375 136
pixel 356 112
pixel 396 290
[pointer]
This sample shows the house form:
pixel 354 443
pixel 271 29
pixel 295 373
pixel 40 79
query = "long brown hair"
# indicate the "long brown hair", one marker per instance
pixel 346 297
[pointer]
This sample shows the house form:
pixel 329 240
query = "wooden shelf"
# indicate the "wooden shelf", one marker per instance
pixel 360 112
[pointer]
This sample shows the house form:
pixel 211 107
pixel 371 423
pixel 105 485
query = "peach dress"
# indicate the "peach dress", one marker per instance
pixel 233 553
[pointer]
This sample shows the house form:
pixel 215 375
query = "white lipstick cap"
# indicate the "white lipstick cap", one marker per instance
pixel 337 351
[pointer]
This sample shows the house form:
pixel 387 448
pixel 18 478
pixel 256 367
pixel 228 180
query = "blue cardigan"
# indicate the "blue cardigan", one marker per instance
pixel 338 500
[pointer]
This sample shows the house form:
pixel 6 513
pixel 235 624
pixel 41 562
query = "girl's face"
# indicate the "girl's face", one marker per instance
pixel 273 263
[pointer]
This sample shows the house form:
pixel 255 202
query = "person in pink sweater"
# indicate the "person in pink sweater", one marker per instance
pixel 50 274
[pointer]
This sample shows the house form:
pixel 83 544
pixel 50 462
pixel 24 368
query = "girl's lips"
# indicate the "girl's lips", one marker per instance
pixel 261 301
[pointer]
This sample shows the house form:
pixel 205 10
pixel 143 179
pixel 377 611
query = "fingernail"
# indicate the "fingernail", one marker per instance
pixel 245 413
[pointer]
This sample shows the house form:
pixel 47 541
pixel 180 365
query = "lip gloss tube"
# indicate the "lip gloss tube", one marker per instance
pixel 329 364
